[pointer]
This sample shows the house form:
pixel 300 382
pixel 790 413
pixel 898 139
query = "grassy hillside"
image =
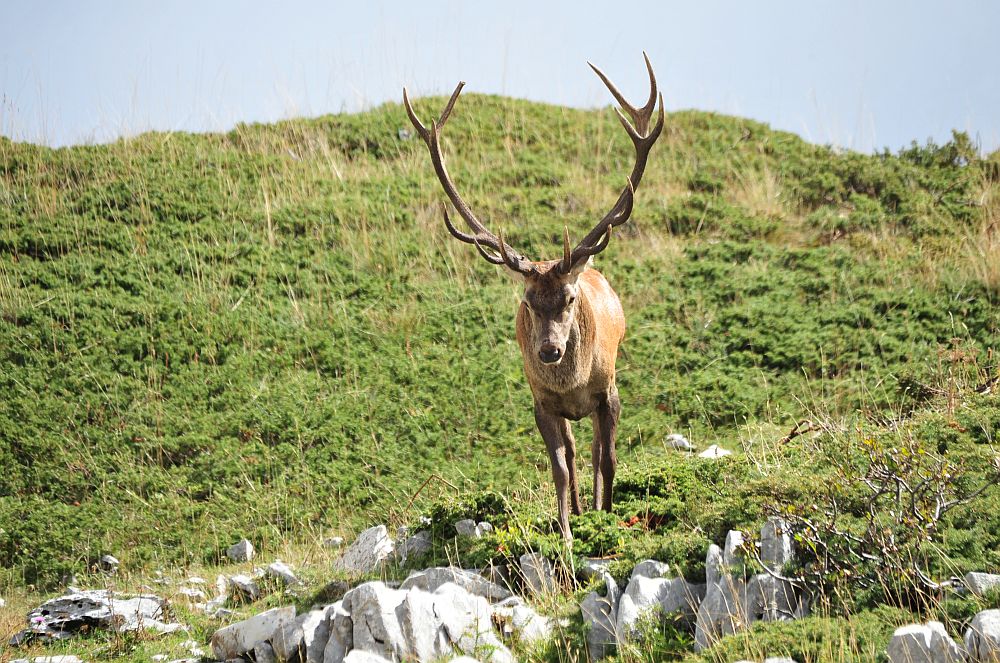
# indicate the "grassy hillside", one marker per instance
pixel 269 333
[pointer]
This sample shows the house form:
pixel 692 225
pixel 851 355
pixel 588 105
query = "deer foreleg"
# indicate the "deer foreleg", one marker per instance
pixel 551 428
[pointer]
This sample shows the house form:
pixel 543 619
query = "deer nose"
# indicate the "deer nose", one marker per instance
pixel 549 354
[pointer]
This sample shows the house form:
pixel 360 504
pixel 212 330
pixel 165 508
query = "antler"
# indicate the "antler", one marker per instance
pixel 597 239
pixel 483 239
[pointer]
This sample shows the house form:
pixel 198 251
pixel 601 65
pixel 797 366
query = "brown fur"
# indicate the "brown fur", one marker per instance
pixel 582 383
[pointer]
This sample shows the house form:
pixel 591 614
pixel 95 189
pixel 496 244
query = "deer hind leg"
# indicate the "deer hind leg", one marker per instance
pixel 551 428
pixel 603 455
pixel 574 487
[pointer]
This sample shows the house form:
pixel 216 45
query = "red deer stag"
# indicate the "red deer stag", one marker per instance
pixel 569 322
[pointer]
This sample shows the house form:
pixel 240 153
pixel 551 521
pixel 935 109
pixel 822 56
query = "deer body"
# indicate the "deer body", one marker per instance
pixel 571 388
pixel 582 383
pixel 570 322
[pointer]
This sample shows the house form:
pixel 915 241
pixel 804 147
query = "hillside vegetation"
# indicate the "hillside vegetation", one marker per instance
pixel 270 334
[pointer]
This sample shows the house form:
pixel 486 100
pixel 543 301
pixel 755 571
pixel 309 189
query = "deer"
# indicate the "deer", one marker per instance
pixel 569 322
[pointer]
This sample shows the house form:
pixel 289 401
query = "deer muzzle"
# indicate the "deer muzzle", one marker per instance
pixel 549 353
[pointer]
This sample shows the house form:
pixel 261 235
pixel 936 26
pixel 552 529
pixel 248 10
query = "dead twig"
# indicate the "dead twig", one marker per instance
pixel 800 428
pixel 424 485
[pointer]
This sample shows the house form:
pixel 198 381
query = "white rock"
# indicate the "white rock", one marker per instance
pixel 359 656
pixel 650 568
pixel 197 580
pixel 58 659
pixel 468 621
pixel 375 613
pixel 910 644
pixel 211 607
pixel 140 613
pixel 468 528
pixel 732 552
pixel 923 643
pixel 678 441
pixel 333 542
pixel 263 652
pixel 779 659
pixel 943 648
pixel 715 451
pixel 422 616
pixel 640 600
pixel 159 658
pixel 592 567
pixel 371 603
pixel 775 544
pixel 714 566
pixel 109 563
pixel 192 646
pixel 241 552
pixel 341 639
pixel 415 546
pixel 239 638
pixel 982 639
pixel 430 579
pixel 2 603
pixel 599 617
pixel 96 608
pixel 191 593
pixel 980 583
pixel 304 638
pixel 722 612
pixel 539 575
pixel 368 552
pixel 650 597
pixel 282 572
pixel 417 625
pixel 244 585
pixel 316 633
pixel 770 599
pixel 519 622
pixel 287 640
pixel 485 527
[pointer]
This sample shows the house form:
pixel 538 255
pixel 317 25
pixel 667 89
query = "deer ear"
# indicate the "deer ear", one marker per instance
pixel 579 266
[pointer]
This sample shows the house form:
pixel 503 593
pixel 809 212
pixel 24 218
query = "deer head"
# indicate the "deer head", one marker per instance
pixel 551 289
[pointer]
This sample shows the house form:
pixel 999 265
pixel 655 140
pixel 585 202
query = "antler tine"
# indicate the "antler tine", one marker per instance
pixel 482 237
pixel 458 234
pixel 640 116
pixel 596 248
pixel 414 120
pixel 643 139
pixel 494 260
pixel 567 263
pixel 503 259
pixel 451 104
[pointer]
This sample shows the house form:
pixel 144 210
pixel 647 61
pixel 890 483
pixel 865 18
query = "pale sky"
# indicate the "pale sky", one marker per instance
pixel 861 75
